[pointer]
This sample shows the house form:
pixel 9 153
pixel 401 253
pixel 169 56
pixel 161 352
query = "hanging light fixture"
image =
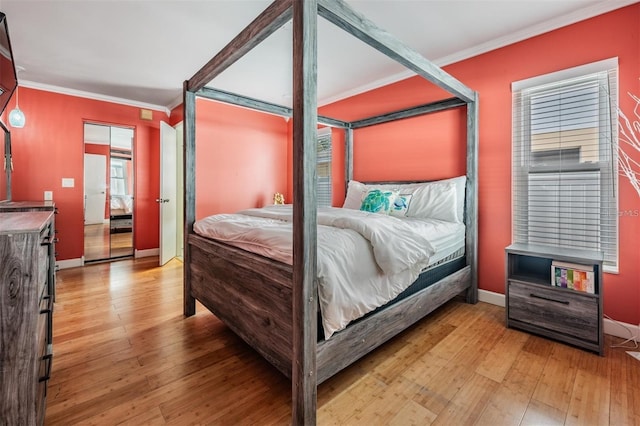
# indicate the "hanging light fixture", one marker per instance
pixel 16 116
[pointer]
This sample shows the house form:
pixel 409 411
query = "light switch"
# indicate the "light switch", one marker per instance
pixel 68 182
pixel 48 195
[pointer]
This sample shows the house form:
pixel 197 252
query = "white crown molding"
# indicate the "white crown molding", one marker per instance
pixel 94 96
pixel 176 102
pixel 528 32
pixel 536 30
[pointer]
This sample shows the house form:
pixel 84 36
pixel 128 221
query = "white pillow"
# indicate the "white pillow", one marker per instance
pixel 401 205
pixel 461 195
pixel 435 200
pixel 356 192
pixel 410 188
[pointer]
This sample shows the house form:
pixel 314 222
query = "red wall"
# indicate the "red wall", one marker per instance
pixel 51 147
pixel 429 148
pixel 241 158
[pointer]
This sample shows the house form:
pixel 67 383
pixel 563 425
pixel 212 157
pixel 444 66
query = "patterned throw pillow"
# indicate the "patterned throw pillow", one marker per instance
pixel 400 205
pixel 378 201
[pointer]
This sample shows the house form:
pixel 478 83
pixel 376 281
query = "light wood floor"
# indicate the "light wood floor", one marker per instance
pixel 125 355
pixel 99 243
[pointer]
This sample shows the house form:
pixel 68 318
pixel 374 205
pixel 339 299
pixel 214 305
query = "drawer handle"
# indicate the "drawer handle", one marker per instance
pixel 49 359
pixel 550 299
pixel 47 241
pixel 45 311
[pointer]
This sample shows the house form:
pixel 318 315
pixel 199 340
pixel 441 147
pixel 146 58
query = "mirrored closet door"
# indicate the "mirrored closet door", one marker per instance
pixel 108 192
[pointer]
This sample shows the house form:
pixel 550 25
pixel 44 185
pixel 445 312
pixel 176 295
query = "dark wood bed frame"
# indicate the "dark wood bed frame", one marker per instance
pixel 271 305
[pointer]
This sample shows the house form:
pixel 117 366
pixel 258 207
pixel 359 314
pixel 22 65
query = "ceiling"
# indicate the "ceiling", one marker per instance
pixel 140 51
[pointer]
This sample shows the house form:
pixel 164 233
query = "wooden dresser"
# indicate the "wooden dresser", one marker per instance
pixel 36 206
pixel 26 315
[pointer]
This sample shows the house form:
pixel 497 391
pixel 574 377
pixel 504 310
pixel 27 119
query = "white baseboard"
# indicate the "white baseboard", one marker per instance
pixel 491 297
pixel 69 263
pixel 611 327
pixel 74 263
pixel 147 253
pixel 621 329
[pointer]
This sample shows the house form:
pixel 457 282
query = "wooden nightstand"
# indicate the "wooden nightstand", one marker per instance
pixel 540 303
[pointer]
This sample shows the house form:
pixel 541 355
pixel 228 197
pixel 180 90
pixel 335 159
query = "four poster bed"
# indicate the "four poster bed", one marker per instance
pixel 273 304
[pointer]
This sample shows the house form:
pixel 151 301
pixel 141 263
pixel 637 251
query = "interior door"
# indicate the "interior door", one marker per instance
pixel 95 188
pixel 167 200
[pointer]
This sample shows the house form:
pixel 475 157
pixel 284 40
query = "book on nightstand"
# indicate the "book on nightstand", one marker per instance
pixel 574 276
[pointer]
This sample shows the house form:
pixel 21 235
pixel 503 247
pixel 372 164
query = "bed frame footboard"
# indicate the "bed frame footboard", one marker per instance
pixel 252 295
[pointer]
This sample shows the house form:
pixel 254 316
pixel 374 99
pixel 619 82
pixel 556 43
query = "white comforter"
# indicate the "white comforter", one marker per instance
pixel 122 202
pixel 364 259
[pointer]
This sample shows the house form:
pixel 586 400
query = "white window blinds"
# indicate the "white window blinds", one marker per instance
pixel 323 168
pixel 564 157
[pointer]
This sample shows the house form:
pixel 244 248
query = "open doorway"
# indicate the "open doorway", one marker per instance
pixel 108 192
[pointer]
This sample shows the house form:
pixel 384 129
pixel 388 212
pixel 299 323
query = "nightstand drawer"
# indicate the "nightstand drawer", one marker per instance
pixel 566 312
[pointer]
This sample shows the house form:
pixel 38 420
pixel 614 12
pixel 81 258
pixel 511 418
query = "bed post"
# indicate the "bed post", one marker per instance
pixel 348 157
pixel 189 160
pixel 471 209
pixel 305 123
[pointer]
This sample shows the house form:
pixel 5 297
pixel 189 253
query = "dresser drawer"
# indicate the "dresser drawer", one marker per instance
pixel 43 259
pixel 43 327
pixel 44 372
pixel 567 312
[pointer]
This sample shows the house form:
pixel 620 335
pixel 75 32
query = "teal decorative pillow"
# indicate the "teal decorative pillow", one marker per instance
pixel 378 201
pixel 400 205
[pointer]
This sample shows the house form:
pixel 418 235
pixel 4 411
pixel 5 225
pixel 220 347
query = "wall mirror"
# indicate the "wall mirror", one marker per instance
pixel 108 192
pixel 5 158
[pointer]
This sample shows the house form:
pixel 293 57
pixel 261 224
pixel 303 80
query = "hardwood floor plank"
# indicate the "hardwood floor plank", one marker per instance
pixel 624 386
pixel 556 384
pixel 589 400
pixel 539 413
pixel 78 410
pixel 469 403
pixel 124 354
pixel 500 359
pixel 380 406
pixel 510 401
pixel 412 414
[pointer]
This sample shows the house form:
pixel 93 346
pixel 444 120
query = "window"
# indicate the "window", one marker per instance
pixel 323 168
pixel 564 157
pixel 118 176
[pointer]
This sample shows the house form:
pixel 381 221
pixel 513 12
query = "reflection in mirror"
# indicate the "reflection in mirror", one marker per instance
pixel 5 177
pixel 109 201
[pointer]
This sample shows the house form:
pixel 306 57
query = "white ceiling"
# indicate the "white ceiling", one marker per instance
pixel 141 51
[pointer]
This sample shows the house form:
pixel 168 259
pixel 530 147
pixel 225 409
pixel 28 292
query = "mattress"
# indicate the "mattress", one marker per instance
pixel 364 260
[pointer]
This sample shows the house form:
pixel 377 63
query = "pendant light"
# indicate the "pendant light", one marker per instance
pixel 16 116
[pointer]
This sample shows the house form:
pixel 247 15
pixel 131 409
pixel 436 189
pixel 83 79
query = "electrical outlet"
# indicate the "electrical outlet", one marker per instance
pixel 68 182
pixel 48 195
